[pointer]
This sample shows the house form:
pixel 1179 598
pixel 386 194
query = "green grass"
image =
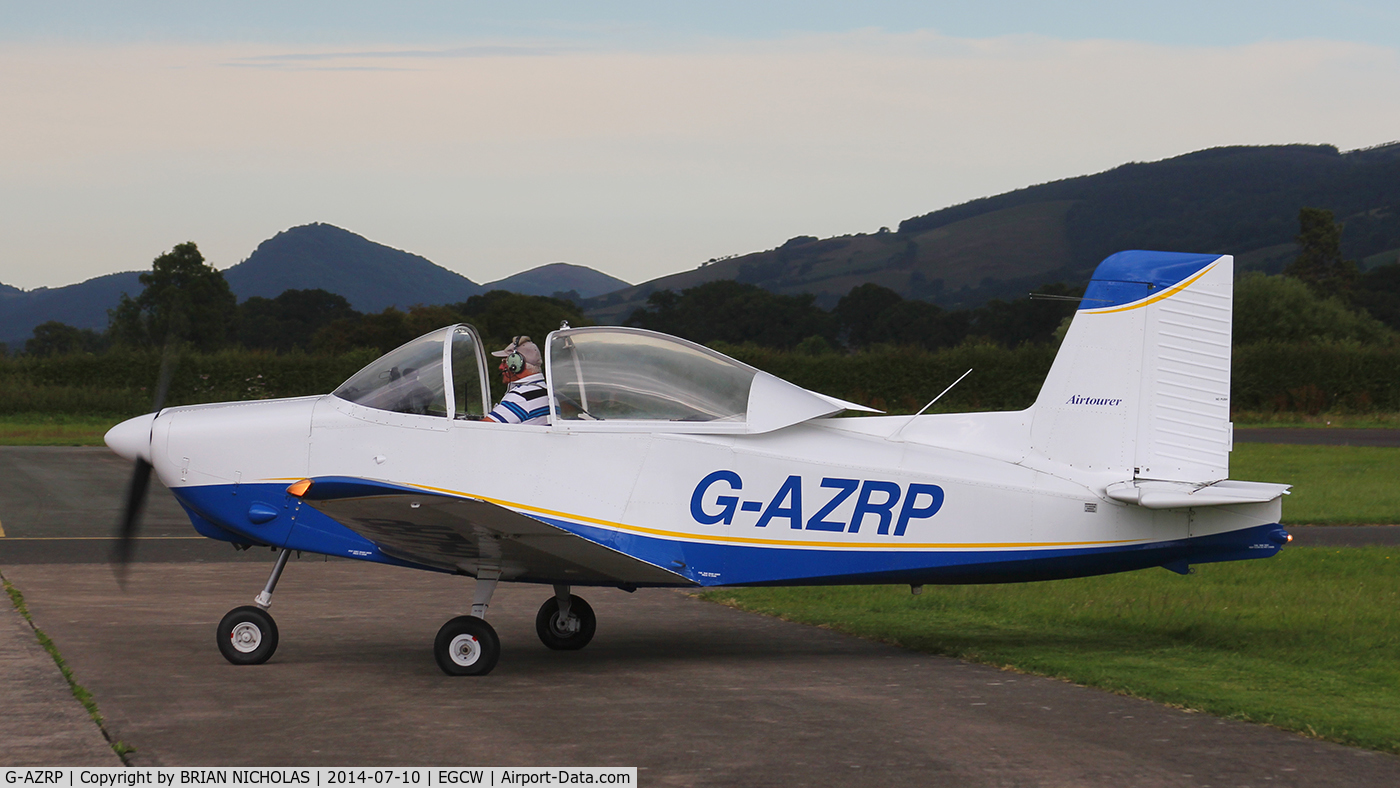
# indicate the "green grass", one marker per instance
pixel 50 429
pixel 1332 485
pixel 1308 641
pixel 1321 420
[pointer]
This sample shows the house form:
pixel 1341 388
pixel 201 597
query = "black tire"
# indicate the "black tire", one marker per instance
pixel 467 646
pixel 247 636
pixel 553 632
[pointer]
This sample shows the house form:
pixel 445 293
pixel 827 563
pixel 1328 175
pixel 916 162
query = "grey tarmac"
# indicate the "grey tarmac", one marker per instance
pixel 1319 436
pixel 690 692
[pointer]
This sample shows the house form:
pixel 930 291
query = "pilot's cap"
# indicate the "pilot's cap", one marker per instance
pixel 525 348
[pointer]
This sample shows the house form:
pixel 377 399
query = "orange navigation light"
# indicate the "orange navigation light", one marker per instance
pixel 298 489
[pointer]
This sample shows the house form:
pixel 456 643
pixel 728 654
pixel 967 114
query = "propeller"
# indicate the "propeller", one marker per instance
pixel 140 478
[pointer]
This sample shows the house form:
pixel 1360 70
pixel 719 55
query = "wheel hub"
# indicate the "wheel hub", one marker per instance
pixel 246 637
pixel 465 650
pixel 564 627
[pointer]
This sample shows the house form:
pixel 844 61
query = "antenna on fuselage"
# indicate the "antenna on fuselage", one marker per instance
pixel 895 434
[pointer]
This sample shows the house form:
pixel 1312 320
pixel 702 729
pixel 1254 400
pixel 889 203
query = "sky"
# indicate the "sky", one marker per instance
pixel 639 139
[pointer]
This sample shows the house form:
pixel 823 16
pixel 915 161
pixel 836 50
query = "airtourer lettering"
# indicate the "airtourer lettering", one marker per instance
pixel 1075 399
pixel 891 506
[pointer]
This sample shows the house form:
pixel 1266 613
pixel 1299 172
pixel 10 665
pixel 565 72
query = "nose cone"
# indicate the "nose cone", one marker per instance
pixel 132 438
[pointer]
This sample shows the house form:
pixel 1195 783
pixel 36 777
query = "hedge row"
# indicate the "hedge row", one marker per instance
pixel 1268 377
pixel 1313 378
pixel 122 382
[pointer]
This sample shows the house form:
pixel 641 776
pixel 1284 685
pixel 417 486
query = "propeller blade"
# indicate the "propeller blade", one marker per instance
pixel 140 477
pixel 131 516
pixel 167 366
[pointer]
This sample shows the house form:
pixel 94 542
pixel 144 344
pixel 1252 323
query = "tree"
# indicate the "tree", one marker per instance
pixel 55 339
pixel 290 320
pixel 184 300
pixel 499 315
pixel 382 331
pixel 1034 320
pixel 919 323
pixel 735 312
pixel 858 309
pixel 1378 292
pixel 1283 309
pixel 1319 263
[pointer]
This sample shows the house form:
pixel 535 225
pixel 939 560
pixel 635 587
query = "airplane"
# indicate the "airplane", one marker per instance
pixel 668 464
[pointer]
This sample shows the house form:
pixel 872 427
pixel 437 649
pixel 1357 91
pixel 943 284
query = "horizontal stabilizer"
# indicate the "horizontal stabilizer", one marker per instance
pixel 1183 495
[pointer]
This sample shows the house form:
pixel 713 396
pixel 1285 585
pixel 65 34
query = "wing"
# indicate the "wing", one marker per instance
pixel 463 534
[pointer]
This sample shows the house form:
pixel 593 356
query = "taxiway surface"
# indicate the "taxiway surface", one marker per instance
pixel 690 692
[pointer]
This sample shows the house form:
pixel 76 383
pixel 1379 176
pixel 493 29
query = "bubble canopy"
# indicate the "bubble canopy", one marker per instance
pixel 600 379
pixel 609 378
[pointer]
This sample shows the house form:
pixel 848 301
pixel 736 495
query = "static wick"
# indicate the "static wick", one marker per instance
pixel 895 434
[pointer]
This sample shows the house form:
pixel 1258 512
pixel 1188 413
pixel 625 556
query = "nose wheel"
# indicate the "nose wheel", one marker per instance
pixel 247 636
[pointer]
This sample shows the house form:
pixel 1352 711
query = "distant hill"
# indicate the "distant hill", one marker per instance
pixel 370 275
pixel 547 280
pixel 1240 200
pixel 83 305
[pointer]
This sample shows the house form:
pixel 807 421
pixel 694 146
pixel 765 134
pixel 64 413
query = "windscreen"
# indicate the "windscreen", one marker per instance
pixel 611 375
pixel 406 380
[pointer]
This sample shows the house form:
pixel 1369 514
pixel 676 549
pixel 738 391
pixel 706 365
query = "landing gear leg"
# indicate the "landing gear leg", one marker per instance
pixel 467 645
pixel 247 635
pixel 264 599
pixel 565 622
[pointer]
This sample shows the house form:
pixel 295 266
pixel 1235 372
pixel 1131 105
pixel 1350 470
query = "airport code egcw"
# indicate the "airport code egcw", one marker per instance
pixel 421 777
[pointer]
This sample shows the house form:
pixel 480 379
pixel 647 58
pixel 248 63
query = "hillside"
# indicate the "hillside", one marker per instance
pixel 83 305
pixel 370 275
pixel 547 280
pixel 1242 201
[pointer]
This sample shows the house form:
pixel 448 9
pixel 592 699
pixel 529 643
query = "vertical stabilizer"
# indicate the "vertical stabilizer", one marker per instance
pixel 1141 384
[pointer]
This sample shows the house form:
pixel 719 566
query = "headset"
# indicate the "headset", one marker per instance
pixel 515 362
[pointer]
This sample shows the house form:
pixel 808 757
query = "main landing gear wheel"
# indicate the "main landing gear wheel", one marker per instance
pixel 565 633
pixel 247 636
pixel 467 646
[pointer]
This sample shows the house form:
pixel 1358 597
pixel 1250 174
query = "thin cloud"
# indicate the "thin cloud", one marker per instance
pixel 280 66
pixel 496 157
pixel 496 50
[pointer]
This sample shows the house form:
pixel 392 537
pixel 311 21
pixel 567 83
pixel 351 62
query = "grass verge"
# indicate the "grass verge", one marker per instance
pixel 1308 641
pixel 79 692
pixel 1321 420
pixel 50 429
pixel 1332 485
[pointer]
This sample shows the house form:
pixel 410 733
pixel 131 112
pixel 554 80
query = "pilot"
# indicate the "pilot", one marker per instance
pixel 526 400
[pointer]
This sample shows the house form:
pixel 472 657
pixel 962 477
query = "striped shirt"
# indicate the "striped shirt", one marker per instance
pixel 526 402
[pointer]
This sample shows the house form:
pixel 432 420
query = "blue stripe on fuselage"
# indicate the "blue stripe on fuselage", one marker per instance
pixel 220 512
